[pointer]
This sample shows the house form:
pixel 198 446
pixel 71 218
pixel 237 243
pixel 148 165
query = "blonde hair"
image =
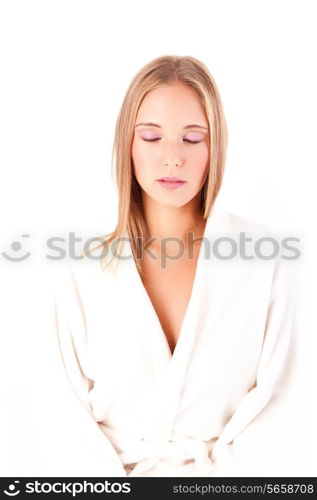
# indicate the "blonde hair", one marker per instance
pixel 161 71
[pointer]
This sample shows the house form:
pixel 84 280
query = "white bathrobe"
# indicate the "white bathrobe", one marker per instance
pixel 219 405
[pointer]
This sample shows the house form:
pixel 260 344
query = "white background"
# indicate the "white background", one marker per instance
pixel 65 66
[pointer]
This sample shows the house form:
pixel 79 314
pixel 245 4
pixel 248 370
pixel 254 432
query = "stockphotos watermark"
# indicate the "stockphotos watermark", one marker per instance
pixel 62 487
pixel 244 247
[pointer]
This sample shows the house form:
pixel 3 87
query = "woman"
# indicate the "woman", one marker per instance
pixel 181 358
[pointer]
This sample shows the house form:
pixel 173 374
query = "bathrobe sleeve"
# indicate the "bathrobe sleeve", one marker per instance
pixel 263 436
pixel 70 332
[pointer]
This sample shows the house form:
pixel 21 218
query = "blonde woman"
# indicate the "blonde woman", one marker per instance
pixel 178 346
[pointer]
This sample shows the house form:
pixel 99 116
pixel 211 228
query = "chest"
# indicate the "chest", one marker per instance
pixel 169 289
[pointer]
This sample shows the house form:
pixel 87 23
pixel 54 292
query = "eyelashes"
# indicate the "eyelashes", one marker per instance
pixel 157 139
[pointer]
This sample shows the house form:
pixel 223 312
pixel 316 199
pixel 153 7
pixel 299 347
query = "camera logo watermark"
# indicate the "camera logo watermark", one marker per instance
pixel 15 247
pixel 12 490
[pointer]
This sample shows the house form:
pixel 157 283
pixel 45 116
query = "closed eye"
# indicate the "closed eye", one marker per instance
pixel 191 142
pixel 157 139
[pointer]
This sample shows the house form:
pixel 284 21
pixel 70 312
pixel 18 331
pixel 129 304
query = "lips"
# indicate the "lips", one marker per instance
pixel 171 179
pixel 171 184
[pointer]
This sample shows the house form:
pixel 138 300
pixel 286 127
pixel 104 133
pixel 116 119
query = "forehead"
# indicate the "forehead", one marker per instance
pixel 174 102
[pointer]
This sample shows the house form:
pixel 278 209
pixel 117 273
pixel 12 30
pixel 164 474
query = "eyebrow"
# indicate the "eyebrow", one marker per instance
pixel 150 124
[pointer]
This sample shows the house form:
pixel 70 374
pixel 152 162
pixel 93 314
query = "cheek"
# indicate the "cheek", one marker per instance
pixel 140 162
pixel 134 152
pixel 136 158
pixel 139 153
pixel 145 157
pixel 200 158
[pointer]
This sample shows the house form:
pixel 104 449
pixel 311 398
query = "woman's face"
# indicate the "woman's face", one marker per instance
pixel 171 139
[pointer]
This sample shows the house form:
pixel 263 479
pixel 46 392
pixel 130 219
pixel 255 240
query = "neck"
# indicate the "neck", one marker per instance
pixel 173 222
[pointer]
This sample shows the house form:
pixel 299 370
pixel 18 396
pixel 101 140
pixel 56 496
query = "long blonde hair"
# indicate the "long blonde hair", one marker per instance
pixel 161 71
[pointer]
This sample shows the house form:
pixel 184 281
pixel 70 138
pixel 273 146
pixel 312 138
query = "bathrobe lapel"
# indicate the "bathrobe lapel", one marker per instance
pixel 174 366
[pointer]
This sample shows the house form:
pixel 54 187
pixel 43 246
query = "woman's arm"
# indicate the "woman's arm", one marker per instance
pixel 70 333
pixel 265 434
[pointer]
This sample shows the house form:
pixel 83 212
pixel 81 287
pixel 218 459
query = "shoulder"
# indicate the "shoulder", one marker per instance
pixel 267 243
pixel 78 277
pixel 241 233
pixel 237 222
pixel 259 247
pixel 225 223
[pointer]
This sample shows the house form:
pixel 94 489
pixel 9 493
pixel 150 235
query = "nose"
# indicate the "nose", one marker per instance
pixel 173 156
